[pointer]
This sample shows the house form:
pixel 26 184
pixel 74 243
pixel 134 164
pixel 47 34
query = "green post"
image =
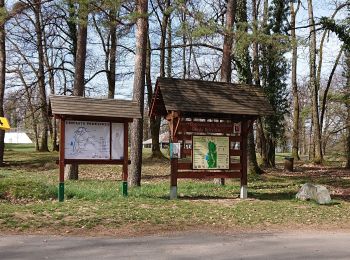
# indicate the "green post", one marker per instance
pixel 61 192
pixel 125 188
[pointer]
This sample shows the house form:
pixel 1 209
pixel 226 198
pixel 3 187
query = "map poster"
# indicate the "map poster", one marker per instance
pixel 87 140
pixel 117 141
pixel 211 152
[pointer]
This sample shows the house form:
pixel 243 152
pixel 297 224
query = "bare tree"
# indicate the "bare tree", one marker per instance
pixel 72 171
pixel 347 94
pixel 296 112
pixel 314 87
pixel 2 79
pixel 41 76
pixel 163 22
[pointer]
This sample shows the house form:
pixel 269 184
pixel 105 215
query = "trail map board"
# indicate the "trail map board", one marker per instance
pixel 211 152
pixel 93 131
pixel 93 140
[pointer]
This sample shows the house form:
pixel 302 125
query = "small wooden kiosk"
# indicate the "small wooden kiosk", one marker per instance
pixel 93 131
pixel 209 124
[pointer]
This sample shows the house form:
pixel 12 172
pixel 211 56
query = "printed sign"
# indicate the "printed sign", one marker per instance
pixel 87 140
pixel 175 150
pixel 210 152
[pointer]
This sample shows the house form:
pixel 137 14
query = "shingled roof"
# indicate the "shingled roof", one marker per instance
pixel 93 107
pixel 208 97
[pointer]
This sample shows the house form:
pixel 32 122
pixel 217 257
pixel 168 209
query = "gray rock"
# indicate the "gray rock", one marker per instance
pixel 318 193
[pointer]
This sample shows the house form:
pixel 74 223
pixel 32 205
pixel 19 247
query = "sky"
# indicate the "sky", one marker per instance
pixel 330 52
pixel 332 44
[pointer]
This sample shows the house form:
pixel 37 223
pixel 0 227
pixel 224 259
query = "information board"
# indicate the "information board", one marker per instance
pixel 87 140
pixel 210 152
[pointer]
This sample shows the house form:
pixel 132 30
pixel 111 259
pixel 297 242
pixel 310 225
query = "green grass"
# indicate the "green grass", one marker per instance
pixel 28 200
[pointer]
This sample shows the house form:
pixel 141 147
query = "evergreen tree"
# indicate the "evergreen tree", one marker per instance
pixel 274 73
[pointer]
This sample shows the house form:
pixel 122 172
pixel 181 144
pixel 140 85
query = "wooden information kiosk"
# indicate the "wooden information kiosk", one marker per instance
pixel 93 131
pixel 209 124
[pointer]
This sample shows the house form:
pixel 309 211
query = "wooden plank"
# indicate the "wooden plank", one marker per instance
pixel 187 152
pixel 235 152
pixel 184 137
pixel 206 127
pixel 236 138
pixel 235 166
pixel 184 165
pixel 207 174
pixel 83 161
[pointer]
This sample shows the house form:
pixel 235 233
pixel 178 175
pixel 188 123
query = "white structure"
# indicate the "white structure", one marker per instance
pixel 163 141
pixel 17 138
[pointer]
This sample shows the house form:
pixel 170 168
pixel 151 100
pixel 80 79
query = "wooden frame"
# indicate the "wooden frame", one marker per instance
pixel 63 161
pixel 208 108
pixel 182 131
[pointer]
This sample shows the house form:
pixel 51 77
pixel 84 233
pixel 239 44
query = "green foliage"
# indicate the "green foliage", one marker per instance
pixel 3 14
pixel 203 30
pixel 342 29
pixel 275 68
pixel 242 57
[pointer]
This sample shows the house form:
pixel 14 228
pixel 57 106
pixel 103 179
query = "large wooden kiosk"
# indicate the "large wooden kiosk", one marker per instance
pixel 209 124
pixel 93 131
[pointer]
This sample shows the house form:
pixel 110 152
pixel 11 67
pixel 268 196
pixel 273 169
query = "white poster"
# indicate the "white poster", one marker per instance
pixel 175 150
pixel 87 140
pixel 117 141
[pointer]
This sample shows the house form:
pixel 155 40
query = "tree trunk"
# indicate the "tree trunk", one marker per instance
pixel 50 69
pixel 170 50
pixel 296 113
pixel 79 80
pixel 31 108
pixel 256 77
pixel 164 26
pixel 138 92
pixel 226 68
pixel 256 72
pixel 253 166
pixel 2 80
pixel 263 143
pixel 314 87
pixel 154 120
pixel 245 76
pixel 72 171
pixel 271 154
pixel 347 93
pixel 41 78
pixel 112 54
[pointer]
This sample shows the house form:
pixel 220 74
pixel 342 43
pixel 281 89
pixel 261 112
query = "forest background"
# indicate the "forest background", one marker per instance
pixel 297 51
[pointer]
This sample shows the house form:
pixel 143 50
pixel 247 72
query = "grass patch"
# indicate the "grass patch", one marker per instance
pixel 28 199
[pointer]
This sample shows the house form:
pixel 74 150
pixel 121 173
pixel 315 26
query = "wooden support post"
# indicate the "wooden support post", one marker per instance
pixel 173 174
pixel 125 162
pixel 244 160
pixel 61 161
pixel 173 178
